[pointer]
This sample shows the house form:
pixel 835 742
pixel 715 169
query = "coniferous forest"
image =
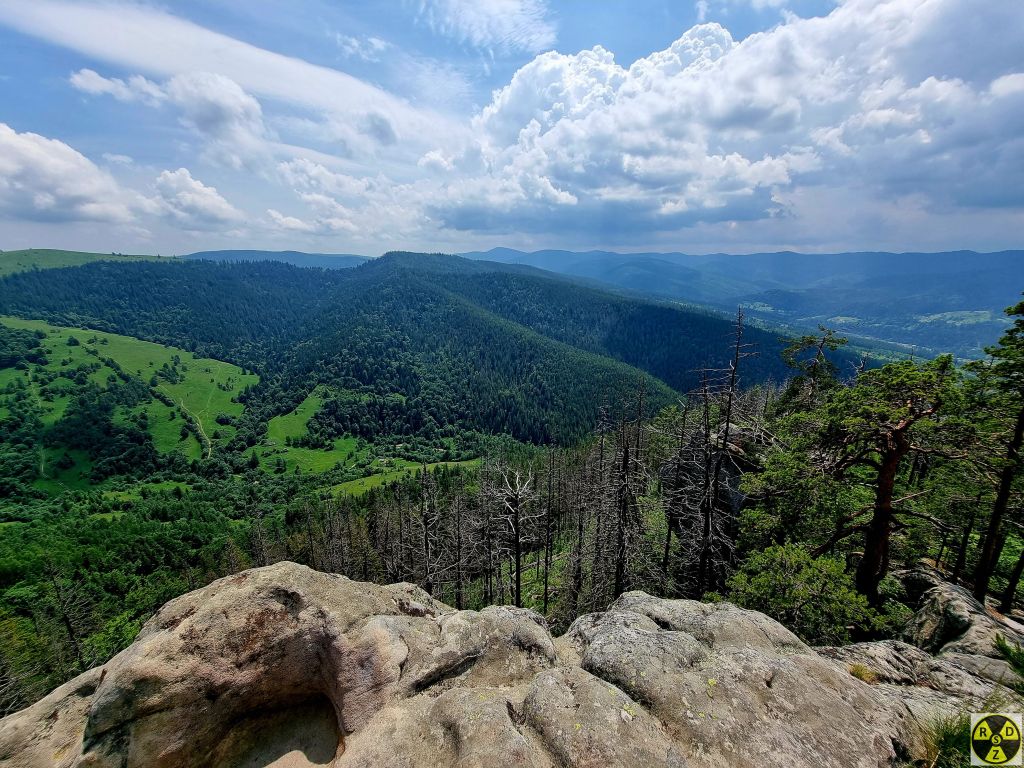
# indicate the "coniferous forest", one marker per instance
pixel 493 433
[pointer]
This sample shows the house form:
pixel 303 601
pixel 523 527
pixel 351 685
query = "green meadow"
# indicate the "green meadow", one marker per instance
pixel 275 451
pixel 200 388
pixel 400 468
pixel 47 258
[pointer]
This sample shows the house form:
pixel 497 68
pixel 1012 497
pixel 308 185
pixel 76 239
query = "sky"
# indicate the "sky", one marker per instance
pixel 456 125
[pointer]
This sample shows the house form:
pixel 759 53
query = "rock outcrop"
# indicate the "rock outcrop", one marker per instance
pixel 954 626
pixel 289 667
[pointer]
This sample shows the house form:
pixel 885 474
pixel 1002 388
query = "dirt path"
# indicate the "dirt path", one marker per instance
pixel 42 451
pixel 203 439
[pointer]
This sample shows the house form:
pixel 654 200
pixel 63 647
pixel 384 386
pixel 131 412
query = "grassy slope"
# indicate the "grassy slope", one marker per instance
pixel 205 390
pixel 197 393
pixel 345 450
pixel 46 258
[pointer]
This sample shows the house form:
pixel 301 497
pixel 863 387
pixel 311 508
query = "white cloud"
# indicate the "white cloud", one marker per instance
pixel 226 115
pixel 711 130
pixel 214 106
pixel 44 179
pixel 158 43
pixel 135 88
pixel 493 25
pixel 365 48
pixel 116 159
pixel 191 204
pixel 288 223
pixel 883 122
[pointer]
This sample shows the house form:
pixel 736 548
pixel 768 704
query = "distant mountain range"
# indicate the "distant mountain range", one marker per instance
pixel 907 302
pixel 950 301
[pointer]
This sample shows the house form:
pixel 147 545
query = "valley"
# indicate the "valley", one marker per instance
pixel 493 432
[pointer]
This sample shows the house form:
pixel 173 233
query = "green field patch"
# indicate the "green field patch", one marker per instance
pixel 406 469
pixel 105 515
pixel 966 317
pixel 201 387
pixel 46 258
pixel 166 431
pixel 293 425
pixel 55 480
pixel 275 452
pixel 135 492
pixel 10 375
pixel 344 451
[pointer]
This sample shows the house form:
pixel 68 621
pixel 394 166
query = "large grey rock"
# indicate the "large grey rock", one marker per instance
pixel 737 687
pixel 283 666
pixel 928 686
pixel 952 624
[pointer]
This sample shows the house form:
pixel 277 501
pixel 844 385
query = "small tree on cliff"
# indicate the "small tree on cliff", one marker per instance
pixel 868 431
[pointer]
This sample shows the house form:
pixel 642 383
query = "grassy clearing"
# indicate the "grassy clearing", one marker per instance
pixel 385 476
pixel 47 258
pixel 205 387
pixel 138 489
pixel 293 425
pixel 345 451
pixel 200 387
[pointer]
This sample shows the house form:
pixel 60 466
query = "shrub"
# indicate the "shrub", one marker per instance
pixel 947 741
pixel 812 596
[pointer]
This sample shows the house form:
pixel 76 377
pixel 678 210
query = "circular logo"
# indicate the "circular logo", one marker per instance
pixel 995 740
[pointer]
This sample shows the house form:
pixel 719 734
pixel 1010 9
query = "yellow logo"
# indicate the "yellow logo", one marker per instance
pixel 995 739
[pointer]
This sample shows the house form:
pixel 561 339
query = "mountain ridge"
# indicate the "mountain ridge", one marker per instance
pixel 912 299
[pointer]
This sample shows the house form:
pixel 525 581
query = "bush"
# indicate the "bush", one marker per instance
pixel 813 597
pixel 947 741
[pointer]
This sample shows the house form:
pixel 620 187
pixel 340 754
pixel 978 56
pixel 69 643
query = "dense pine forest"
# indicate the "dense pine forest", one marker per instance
pixel 493 433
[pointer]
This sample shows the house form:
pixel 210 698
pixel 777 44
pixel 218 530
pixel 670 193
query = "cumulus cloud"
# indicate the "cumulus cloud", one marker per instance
pixel 220 110
pixel 44 179
pixel 288 223
pixel 894 115
pixel 362 207
pixel 494 25
pixel 214 106
pixel 714 130
pixel 191 204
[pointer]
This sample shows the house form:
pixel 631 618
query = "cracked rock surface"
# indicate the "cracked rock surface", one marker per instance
pixel 288 667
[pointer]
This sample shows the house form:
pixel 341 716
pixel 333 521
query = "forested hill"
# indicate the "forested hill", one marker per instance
pixel 941 302
pixel 49 258
pixel 410 344
pixel 297 258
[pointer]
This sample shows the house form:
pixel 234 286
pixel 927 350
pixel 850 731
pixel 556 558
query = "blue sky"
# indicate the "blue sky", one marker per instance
pixel 321 125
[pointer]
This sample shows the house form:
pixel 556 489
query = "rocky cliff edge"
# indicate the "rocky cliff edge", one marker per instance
pixel 288 667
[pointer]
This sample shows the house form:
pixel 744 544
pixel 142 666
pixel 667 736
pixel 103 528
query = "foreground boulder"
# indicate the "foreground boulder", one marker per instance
pixel 286 666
